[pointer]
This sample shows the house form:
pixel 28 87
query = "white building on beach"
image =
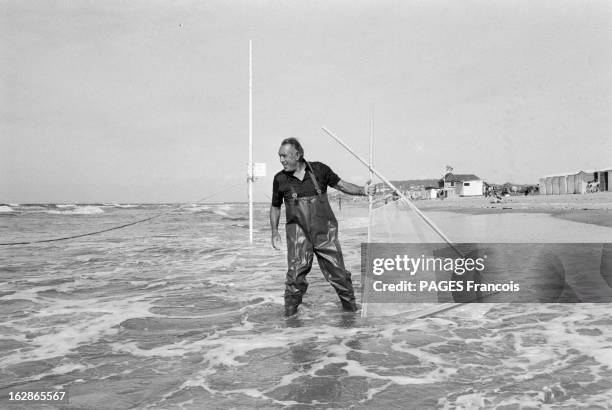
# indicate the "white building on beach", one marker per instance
pixel 462 185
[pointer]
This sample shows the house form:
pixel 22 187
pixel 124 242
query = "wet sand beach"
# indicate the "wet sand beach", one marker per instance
pixel 588 208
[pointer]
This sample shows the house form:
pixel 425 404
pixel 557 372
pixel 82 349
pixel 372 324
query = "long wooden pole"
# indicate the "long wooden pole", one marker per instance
pixel 364 305
pixel 401 195
pixel 427 312
pixel 371 199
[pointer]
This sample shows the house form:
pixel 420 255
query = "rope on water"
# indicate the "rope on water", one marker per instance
pixel 65 238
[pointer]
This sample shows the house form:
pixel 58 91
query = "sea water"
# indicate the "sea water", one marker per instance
pixel 181 312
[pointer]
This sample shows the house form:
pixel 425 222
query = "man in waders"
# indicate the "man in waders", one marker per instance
pixel 312 228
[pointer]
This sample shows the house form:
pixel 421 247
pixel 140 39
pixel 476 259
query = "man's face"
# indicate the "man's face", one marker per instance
pixel 289 157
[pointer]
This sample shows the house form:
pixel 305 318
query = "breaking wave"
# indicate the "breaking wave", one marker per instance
pixel 78 210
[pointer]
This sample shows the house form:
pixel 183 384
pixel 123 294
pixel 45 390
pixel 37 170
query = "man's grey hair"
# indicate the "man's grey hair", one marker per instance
pixel 295 144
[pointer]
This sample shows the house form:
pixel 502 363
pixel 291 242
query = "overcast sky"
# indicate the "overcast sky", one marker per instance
pixel 138 101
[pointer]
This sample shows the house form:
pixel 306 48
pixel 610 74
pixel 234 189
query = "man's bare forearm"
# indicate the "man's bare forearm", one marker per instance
pixel 274 218
pixel 349 188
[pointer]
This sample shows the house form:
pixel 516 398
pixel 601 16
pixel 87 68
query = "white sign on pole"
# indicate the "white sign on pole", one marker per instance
pixel 257 170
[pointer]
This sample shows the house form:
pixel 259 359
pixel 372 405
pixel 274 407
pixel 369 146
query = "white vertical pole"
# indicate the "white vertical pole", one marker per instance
pixel 250 170
pixel 371 173
pixel 364 306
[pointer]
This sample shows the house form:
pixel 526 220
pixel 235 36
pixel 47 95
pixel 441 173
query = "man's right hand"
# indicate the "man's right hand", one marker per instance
pixel 276 240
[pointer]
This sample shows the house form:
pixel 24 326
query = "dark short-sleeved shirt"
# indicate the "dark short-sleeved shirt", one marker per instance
pixel 285 181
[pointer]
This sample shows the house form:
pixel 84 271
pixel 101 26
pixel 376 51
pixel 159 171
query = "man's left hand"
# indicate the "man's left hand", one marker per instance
pixel 369 189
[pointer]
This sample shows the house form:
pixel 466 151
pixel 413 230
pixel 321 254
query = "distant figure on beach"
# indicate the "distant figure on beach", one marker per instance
pixel 592 187
pixel 312 228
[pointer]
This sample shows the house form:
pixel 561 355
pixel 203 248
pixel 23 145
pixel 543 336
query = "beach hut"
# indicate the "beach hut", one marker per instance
pixel 569 181
pixel 599 176
pixel 472 187
pixel 603 177
pixel 431 192
pixel 563 184
pixel 582 179
pixel 542 185
pixel 549 190
pixel 462 185
pixel 555 185
pixel 577 184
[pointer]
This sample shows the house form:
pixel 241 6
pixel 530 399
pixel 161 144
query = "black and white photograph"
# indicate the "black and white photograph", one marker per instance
pixel 284 204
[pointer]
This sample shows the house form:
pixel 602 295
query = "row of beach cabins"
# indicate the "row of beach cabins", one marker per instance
pixel 581 182
pixel 465 185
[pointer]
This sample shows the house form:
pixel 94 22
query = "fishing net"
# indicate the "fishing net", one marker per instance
pixel 508 273
pixel 543 270
pixel 397 222
pixel 393 223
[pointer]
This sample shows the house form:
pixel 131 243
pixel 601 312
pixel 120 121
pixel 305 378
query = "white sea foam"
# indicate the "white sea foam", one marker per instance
pixel 69 368
pixel 92 319
pixel 79 210
pixel 116 205
pixel 157 284
pixel 470 401
pixel 33 208
pixel 241 348
pixel 195 208
pixel 4 208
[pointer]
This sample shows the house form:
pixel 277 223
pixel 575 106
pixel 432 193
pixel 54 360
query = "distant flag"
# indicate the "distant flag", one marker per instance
pixel 449 169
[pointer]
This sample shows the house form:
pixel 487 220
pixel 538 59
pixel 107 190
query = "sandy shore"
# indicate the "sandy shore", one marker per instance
pixel 589 208
pixel 602 200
